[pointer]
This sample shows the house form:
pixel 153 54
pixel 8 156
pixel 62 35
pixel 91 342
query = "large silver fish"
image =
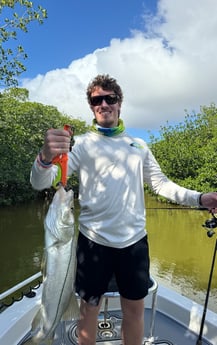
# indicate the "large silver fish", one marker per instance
pixel 58 296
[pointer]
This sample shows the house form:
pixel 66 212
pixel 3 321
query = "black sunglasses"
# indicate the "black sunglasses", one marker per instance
pixel 110 99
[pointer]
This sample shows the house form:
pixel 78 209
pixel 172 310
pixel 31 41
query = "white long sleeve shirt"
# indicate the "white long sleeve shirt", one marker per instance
pixel 112 172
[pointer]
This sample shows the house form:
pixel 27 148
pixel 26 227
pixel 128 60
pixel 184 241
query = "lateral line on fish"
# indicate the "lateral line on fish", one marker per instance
pixel 59 302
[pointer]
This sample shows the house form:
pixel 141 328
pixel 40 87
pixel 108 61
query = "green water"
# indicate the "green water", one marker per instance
pixel 181 253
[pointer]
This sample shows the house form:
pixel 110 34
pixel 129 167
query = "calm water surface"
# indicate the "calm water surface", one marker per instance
pixel 180 251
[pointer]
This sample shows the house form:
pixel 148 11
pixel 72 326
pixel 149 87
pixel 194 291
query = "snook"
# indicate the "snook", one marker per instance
pixel 58 296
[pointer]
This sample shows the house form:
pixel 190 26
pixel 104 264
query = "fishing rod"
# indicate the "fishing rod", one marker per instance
pixel 209 224
pixel 176 208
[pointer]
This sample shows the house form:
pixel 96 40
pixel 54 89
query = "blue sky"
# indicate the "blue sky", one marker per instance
pixel 163 54
pixel 77 28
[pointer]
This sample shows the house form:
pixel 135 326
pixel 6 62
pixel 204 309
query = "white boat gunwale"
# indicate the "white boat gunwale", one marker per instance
pixel 15 320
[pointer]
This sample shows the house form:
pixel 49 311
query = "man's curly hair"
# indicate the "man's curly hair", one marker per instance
pixel 106 83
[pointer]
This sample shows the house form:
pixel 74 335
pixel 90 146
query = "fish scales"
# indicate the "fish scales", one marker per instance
pixel 58 296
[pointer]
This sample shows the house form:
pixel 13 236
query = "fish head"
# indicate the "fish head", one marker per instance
pixel 59 220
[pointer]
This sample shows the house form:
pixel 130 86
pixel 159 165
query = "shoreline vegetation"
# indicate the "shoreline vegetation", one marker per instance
pixel 186 152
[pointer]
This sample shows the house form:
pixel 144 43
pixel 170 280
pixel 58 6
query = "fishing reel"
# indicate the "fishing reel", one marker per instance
pixel 210 224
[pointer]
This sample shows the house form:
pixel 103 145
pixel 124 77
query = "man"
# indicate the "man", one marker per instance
pixel 112 168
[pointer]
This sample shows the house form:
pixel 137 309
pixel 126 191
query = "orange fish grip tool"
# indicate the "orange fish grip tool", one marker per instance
pixel 62 163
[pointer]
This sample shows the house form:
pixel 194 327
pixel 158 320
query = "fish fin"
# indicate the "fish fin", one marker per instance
pixel 36 337
pixel 72 311
pixel 43 262
pixel 29 341
pixel 37 319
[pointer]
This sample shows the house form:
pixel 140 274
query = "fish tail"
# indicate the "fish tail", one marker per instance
pixel 36 339
pixel 36 334
pixel 28 342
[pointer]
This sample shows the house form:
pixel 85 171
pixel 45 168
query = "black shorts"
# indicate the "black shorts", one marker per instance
pixel 97 264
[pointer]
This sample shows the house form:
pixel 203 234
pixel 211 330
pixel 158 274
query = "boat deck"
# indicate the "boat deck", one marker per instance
pixel 176 320
pixel 167 331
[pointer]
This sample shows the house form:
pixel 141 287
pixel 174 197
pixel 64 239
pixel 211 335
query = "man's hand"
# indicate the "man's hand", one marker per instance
pixel 56 142
pixel 209 201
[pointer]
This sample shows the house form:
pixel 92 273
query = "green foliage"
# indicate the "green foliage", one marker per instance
pixel 15 16
pixel 22 128
pixel 187 152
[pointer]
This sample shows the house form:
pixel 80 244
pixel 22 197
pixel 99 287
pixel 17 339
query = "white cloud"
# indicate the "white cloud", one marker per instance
pixel 162 71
